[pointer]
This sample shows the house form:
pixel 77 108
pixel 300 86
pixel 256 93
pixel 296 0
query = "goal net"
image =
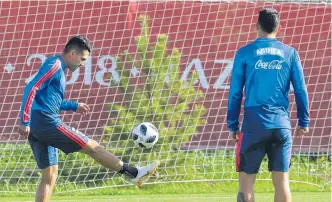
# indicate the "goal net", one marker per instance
pixel 163 62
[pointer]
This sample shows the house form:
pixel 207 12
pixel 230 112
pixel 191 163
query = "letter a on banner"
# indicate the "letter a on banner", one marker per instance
pixel 199 69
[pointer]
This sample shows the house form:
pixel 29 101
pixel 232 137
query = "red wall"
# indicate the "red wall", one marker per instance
pixel 206 33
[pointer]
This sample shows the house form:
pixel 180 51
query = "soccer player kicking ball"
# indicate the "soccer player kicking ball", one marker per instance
pixel 266 67
pixel 43 99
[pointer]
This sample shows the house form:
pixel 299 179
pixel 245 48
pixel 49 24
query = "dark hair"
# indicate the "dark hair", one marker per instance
pixel 269 20
pixel 79 43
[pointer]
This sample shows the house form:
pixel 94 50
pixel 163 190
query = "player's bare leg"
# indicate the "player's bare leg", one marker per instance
pixel 281 186
pixel 47 183
pixel 102 156
pixel 137 175
pixel 246 187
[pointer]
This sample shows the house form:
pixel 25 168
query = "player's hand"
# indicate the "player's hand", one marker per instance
pixel 235 135
pixel 83 109
pixel 24 130
pixel 299 131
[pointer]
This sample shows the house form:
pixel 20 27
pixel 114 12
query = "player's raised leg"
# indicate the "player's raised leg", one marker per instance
pixel 102 156
pixel 73 140
pixel 136 175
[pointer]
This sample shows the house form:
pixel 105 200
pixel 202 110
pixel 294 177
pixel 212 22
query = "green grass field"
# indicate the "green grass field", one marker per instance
pixel 261 197
pixel 204 176
pixel 184 192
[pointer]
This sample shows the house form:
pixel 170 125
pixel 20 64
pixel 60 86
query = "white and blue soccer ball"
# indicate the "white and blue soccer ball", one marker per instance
pixel 145 135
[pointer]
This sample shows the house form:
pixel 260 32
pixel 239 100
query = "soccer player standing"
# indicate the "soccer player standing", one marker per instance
pixel 265 68
pixel 43 99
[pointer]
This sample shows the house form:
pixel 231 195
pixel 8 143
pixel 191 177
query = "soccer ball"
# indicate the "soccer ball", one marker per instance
pixel 145 135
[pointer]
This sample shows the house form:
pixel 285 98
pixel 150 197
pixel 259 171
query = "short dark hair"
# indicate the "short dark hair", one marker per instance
pixel 79 43
pixel 269 20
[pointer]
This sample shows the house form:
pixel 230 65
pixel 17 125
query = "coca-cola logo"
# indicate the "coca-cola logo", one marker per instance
pixel 274 64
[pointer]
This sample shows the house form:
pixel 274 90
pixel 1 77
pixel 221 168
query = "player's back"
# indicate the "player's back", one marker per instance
pixel 267 64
